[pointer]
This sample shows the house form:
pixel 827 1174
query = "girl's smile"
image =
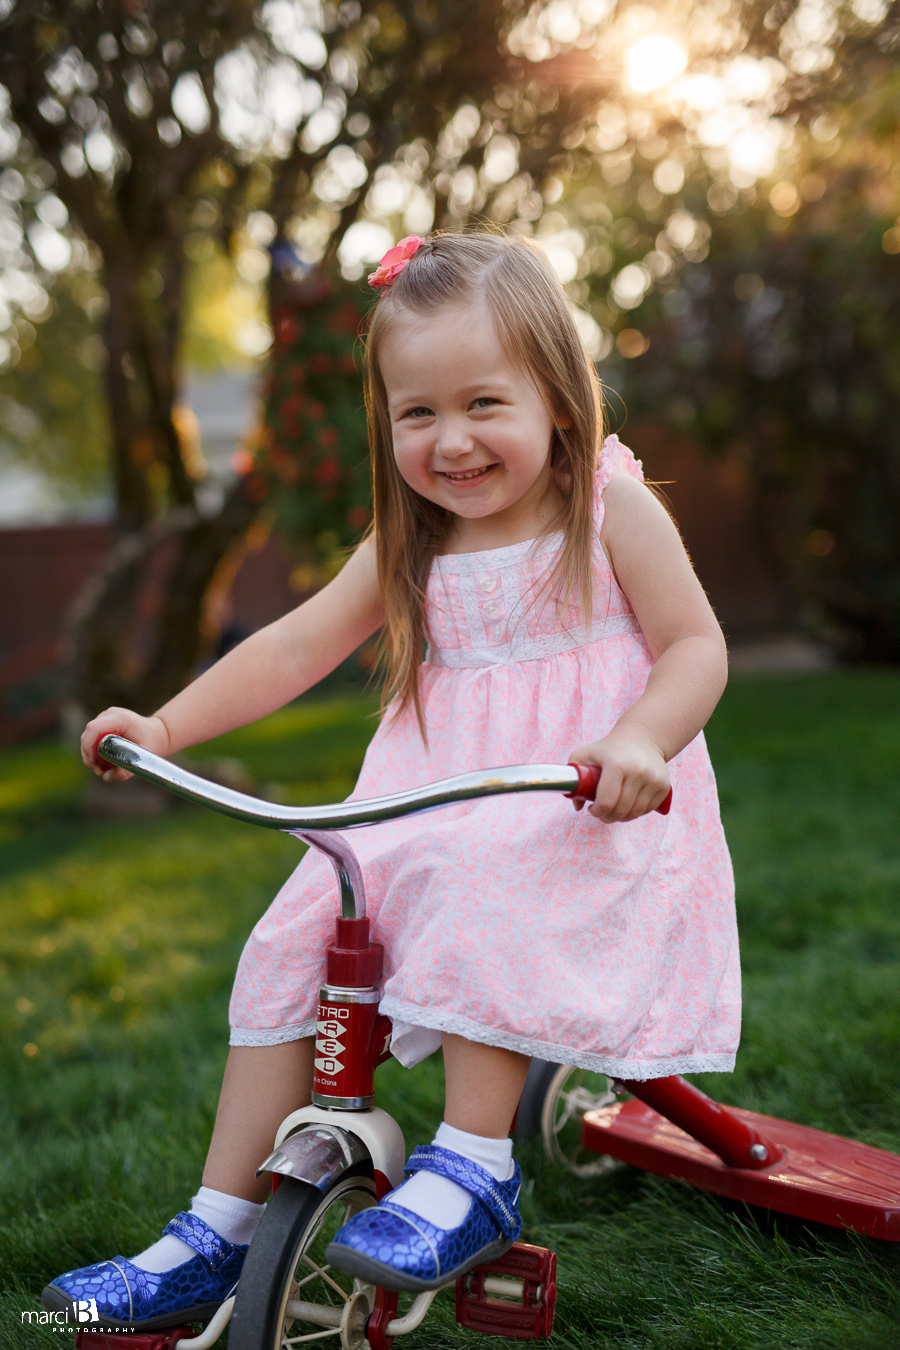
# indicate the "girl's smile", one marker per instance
pixel 470 430
pixel 469 475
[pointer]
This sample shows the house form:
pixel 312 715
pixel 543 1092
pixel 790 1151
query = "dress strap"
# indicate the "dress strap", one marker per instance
pixel 614 457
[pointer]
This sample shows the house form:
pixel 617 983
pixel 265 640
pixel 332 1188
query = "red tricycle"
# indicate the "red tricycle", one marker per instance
pixel 342 1153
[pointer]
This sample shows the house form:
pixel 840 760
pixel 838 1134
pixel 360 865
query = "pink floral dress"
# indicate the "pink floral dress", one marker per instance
pixel 517 921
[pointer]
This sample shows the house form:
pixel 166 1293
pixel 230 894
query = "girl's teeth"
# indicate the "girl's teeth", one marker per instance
pixel 475 473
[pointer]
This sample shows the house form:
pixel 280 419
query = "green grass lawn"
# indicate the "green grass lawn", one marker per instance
pixel 118 940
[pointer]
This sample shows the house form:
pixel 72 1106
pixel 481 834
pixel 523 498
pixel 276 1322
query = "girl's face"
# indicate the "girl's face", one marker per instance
pixel 470 430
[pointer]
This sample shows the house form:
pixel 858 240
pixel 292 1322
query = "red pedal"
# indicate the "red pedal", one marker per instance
pixel 131 1340
pixel 382 1314
pixel 482 1306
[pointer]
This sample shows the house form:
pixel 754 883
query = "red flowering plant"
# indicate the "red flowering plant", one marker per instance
pixel 311 462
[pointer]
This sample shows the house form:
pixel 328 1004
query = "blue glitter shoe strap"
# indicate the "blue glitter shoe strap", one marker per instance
pixel 205 1240
pixel 473 1178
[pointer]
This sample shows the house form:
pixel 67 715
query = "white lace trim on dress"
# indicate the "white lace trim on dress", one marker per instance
pixel 533 648
pixel 409 1045
pixel 413 1041
pixel 296 1031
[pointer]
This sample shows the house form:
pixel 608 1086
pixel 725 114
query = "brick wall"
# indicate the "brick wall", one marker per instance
pixel 42 570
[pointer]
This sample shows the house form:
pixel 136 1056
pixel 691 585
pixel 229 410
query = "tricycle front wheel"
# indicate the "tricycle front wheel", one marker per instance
pixel 286 1282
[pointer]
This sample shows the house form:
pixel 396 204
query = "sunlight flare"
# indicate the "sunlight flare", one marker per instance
pixel 654 61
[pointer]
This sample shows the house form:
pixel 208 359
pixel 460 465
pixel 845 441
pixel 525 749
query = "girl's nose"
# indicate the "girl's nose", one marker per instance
pixel 454 437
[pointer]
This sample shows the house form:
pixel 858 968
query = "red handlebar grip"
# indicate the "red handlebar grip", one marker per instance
pixel 100 758
pixel 589 781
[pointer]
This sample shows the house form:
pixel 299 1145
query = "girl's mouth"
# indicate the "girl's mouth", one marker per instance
pixel 468 475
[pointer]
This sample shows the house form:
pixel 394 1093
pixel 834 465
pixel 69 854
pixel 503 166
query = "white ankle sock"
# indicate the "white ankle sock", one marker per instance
pixel 232 1218
pixel 444 1202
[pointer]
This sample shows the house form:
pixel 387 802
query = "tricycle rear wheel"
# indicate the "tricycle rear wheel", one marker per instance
pixel 554 1099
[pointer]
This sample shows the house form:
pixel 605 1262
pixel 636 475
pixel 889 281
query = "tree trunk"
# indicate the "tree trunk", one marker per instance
pixel 136 632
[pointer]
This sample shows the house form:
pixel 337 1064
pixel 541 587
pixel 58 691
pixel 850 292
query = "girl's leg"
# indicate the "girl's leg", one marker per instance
pixel 484 1084
pixel 262 1085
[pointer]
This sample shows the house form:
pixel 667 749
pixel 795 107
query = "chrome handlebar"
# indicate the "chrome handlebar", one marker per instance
pixel 313 823
pixel 341 815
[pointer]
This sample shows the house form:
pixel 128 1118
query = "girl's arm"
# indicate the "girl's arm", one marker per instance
pixel 261 674
pixel 685 640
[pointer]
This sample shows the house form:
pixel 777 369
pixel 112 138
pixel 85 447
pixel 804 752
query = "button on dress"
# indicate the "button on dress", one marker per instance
pixel 517 921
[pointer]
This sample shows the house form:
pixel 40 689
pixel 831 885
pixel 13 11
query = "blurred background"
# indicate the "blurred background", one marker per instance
pixel 191 196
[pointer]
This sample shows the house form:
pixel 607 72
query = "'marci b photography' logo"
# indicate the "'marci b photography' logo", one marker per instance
pixel 83 1310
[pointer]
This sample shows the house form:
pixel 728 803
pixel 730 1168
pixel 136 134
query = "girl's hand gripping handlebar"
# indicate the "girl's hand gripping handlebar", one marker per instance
pixel 589 781
pixel 149 732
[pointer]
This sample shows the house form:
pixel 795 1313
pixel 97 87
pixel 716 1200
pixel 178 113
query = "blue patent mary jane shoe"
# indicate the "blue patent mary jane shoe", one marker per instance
pixel 391 1246
pixel 123 1295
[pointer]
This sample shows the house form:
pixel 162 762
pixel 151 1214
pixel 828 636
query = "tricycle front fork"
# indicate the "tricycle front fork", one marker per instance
pixel 342 1128
pixel 351 1037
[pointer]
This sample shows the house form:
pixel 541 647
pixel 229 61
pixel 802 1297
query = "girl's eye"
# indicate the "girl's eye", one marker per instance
pixel 418 412
pixel 486 401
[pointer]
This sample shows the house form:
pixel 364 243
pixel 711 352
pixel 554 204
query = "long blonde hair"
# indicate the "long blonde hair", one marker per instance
pixel 535 324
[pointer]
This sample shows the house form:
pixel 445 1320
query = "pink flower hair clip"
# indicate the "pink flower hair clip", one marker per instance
pixel 394 261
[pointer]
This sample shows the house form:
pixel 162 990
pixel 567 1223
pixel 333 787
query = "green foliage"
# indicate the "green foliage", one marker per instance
pixel 53 413
pixel 783 348
pixel 768 331
pixel 106 1125
pixel 314 456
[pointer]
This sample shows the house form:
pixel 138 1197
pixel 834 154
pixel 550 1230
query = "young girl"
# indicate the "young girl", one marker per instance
pixel 563 622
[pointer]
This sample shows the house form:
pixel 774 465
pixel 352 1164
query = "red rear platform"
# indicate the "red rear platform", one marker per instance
pixel 820 1176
